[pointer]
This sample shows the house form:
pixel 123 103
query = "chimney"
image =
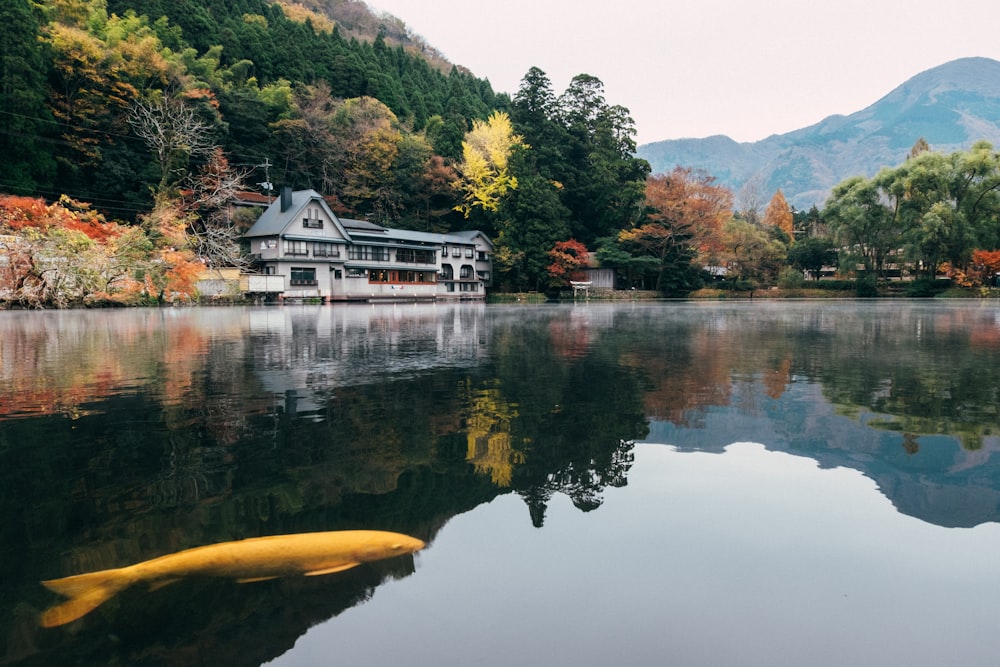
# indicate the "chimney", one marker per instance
pixel 286 198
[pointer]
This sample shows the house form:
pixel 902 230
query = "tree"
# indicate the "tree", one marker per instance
pixel 23 113
pixel 685 211
pixel 779 215
pixel 812 254
pixel 366 142
pixel 862 224
pixel 568 260
pixel 531 220
pixel 603 183
pixel 174 134
pixel 485 177
pixel 214 234
pixel 750 254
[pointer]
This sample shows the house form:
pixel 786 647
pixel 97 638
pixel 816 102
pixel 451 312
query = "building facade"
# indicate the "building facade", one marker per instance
pixel 322 256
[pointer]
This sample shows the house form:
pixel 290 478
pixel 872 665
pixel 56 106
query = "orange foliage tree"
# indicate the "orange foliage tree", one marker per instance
pixel 568 260
pixel 985 266
pixel 779 214
pixel 685 212
pixel 65 253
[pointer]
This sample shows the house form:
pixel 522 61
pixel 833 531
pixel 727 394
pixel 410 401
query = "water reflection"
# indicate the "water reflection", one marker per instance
pixel 129 434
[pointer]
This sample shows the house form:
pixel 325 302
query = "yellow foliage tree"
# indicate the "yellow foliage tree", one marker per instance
pixel 484 171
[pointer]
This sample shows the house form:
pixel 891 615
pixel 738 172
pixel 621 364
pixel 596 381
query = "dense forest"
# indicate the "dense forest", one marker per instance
pixel 128 126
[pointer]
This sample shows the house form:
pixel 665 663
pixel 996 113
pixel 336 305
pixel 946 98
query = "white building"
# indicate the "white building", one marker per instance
pixel 319 255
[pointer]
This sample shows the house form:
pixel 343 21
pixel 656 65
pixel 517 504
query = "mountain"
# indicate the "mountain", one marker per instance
pixel 951 106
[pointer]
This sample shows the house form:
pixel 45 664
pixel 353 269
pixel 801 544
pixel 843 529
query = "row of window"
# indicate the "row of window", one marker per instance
pixel 320 249
pixel 307 276
pixel 400 277
pixel 448 273
pixel 367 252
pixel 462 287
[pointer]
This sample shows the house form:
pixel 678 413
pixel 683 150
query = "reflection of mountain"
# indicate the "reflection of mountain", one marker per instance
pixel 944 485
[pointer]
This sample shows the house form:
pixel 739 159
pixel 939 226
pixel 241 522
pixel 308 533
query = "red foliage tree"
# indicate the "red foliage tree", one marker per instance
pixel 568 260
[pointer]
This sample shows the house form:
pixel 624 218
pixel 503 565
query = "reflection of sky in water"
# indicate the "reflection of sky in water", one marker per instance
pixel 746 558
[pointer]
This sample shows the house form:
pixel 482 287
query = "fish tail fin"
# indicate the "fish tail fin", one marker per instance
pixel 85 592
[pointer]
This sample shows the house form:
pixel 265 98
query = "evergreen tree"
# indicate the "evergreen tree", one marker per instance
pixel 24 119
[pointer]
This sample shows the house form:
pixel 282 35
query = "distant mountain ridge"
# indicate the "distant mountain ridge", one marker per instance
pixel 950 106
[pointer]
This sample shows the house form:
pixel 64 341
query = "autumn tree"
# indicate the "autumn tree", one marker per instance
pixel 778 215
pixel 214 233
pixel 569 258
pixel 65 253
pixel 750 253
pixel 685 211
pixel 366 142
pixel 484 171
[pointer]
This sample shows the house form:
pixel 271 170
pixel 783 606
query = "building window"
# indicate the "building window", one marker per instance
pixel 369 252
pixel 356 273
pixel 312 223
pixel 465 272
pixel 444 251
pixel 469 287
pixel 326 250
pixel 303 276
pixel 481 256
pixel 456 252
pixel 449 287
pixel 447 273
pixel 411 256
pixel 470 252
pixel 296 248
pixel 400 277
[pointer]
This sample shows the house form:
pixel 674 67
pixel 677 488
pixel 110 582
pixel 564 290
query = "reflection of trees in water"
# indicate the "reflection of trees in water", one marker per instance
pixel 930 374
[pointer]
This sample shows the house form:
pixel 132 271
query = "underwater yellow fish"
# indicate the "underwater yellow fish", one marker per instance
pixel 254 559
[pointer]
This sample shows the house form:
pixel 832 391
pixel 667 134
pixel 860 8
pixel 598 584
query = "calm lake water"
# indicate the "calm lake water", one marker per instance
pixel 759 483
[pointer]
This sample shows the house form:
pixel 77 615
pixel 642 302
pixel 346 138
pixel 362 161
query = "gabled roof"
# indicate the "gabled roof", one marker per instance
pixel 469 236
pixel 274 221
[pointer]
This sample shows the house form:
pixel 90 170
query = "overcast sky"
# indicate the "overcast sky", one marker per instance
pixel 744 68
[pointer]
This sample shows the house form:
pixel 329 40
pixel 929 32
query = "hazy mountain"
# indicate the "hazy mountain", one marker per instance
pixel 951 106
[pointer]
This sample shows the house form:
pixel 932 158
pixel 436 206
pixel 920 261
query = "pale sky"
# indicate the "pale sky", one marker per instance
pixel 744 68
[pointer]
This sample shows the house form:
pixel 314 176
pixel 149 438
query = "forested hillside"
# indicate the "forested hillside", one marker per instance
pixel 258 83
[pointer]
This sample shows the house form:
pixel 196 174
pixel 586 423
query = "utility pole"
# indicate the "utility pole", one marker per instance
pixel 267 185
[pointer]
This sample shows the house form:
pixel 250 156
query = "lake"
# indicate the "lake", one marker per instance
pixel 718 483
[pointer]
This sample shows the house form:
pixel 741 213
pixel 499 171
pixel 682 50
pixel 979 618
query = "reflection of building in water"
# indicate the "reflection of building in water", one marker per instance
pixel 304 353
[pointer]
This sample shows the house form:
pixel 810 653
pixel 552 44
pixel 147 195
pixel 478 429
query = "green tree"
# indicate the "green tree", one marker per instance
pixel 812 254
pixel 531 220
pixel 24 118
pixel 603 182
pixel 863 224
